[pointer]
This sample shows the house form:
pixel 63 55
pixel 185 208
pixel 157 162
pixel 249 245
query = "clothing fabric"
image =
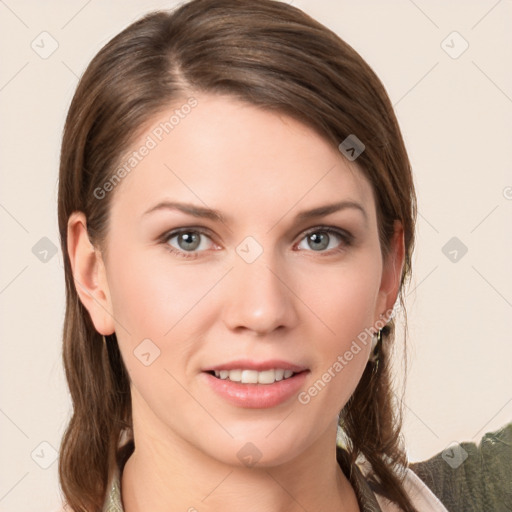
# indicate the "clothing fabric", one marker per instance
pixel 463 478
pixel 470 477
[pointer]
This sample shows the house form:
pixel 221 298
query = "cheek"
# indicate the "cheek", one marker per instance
pixel 161 301
pixel 344 302
pixel 156 298
pixel 344 299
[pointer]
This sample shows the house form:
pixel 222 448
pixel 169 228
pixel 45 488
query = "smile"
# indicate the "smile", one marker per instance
pixel 255 389
pixel 253 376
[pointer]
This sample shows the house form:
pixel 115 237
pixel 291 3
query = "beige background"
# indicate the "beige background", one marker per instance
pixel 456 116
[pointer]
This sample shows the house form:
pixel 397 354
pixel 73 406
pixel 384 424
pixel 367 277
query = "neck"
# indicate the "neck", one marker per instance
pixel 165 473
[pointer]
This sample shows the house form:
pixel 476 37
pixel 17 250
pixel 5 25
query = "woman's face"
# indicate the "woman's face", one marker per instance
pixel 268 287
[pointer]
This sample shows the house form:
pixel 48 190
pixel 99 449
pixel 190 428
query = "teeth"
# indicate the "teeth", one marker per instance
pixel 266 377
pixel 249 377
pixel 253 376
pixel 234 375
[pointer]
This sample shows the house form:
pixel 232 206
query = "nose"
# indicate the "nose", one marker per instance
pixel 259 297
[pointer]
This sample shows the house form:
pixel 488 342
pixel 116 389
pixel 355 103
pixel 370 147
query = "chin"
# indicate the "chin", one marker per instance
pixel 261 449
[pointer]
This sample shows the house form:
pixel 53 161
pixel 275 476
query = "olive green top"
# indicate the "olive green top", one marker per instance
pixel 464 477
pixel 469 477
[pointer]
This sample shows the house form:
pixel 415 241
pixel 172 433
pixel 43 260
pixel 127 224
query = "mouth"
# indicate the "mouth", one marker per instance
pixel 252 385
pixel 245 376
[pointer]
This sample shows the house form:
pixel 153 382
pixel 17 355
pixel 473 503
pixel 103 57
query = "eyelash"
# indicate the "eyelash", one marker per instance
pixel 346 237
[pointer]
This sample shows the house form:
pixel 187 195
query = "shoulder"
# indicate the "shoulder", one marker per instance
pixel 420 495
pixel 468 476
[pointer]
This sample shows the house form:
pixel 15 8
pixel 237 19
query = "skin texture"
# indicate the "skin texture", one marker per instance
pixel 297 302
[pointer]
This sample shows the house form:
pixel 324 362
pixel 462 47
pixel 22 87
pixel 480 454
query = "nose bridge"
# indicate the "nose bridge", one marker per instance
pixel 258 299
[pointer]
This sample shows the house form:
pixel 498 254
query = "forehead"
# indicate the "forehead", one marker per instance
pixel 223 151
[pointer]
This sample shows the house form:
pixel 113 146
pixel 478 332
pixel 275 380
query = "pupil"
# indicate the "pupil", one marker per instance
pixel 317 240
pixel 188 238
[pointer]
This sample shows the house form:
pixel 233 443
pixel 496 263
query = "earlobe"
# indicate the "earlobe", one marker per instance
pixel 89 274
pixel 392 271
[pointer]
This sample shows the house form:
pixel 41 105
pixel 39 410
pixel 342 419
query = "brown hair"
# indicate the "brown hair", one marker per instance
pixel 274 56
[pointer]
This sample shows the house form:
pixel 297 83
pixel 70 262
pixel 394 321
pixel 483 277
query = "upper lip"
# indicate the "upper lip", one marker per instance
pixel 246 364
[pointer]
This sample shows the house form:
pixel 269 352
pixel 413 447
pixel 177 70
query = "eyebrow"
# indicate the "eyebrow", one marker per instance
pixel 215 215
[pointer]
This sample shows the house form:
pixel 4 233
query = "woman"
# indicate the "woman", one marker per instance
pixel 236 210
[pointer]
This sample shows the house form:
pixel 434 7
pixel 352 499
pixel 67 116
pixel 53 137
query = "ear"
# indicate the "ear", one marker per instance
pixel 89 274
pixel 391 274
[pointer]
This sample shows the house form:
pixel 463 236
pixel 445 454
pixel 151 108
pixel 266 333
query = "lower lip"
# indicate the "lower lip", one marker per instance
pixel 257 396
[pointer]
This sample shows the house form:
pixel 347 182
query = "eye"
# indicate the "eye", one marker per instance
pixel 321 238
pixel 187 242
